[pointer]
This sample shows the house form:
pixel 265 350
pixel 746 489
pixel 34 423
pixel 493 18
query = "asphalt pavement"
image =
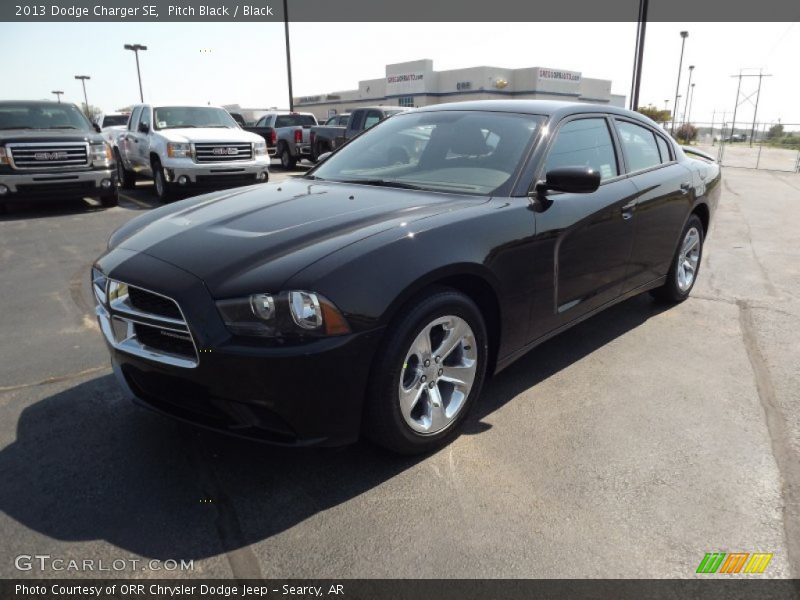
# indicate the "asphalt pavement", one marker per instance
pixel 627 447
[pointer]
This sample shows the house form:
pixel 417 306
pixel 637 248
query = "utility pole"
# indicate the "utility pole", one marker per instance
pixel 135 48
pixel 691 99
pixel 288 54
pixel 638 54
pixel 688 89
pixel 83 79
pixel 757 94
pixel 684 35
pixel 58 94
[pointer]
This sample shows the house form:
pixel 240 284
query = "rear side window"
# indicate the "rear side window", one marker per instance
pixel 663 148
pixel 145 116
pixel 373 118
pixel 584 143
pixel 639 144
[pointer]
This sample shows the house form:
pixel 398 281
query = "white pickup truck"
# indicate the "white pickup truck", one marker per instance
pixel 188 147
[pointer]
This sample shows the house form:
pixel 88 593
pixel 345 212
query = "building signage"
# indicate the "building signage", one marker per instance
pixel 555 75
pixel 405 83
pixel 464 85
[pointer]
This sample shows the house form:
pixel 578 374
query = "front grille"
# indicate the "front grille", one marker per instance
pixel 153 303
pixel 61 189
pixel 49 155
pixel 222 152
pixel 144 323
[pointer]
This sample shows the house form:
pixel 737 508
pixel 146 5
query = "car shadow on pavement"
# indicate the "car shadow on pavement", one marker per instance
pixel 27 210
pixel 88 465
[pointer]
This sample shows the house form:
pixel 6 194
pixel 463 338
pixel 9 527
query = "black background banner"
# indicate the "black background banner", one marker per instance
pixel 401 11
pixel 386 589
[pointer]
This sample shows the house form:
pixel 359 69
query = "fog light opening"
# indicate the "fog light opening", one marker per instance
pixel 3 189
pixel 106 184
pixel 261 176
pixel 183 180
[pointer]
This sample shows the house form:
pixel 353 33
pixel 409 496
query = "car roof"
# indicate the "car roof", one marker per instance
pixel 34 102
pixel 549 108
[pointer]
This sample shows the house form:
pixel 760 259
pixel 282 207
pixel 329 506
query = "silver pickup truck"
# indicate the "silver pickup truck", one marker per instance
pixel 287 135
pixel 186 147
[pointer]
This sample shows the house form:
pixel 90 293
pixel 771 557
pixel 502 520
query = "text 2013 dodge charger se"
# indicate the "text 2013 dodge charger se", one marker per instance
pixel 375 294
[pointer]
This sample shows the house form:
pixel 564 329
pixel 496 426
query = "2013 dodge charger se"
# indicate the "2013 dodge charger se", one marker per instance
pixel 376 293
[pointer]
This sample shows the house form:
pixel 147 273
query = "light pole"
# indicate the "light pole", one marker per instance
pixel 135 49
pixel 288 54
pixel 688 88
pixel 58 94
pixel 691 99
pixel 83 79
pixel 684 35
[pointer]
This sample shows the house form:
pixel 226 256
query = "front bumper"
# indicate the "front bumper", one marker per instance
pixel 301 394
pixel 216 174
pixel 50 185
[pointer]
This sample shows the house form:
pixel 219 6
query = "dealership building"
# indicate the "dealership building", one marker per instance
pixel 417 84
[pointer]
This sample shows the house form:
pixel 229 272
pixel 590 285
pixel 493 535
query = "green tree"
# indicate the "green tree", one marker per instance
pixel 658 115
pixel 686 133
pixel 775 131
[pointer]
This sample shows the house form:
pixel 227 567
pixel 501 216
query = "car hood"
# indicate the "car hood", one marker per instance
pixel 254 239
pixel 208 134
pixel 8 136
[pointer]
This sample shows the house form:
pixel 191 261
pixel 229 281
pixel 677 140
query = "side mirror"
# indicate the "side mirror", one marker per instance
pixel 97 128
pixel 573 180
pixel 144 128
pixel 323 157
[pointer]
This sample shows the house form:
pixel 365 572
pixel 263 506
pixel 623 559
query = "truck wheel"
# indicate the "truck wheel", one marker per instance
pixel 110 200
pixel 126 178
pixel 288 162
pixel 160 185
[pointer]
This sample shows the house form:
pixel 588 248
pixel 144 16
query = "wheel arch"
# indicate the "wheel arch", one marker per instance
pixel 704 214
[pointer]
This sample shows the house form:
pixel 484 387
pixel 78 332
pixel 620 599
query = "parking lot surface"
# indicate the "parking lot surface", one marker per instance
pixel 627 447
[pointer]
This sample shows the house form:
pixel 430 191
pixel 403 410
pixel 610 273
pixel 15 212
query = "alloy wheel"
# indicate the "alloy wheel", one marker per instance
pixel 437 375
pixel 688 259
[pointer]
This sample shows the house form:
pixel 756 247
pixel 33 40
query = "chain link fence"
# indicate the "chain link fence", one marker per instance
pixel 771 146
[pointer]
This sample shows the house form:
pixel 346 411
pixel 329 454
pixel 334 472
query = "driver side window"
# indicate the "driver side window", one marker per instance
pixel 584 143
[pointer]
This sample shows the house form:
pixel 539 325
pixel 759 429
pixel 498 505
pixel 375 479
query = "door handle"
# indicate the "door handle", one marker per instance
pixel 627 209
pixel 685 187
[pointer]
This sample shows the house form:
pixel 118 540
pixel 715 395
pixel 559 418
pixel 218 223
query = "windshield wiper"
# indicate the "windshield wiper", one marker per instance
pixel 381 183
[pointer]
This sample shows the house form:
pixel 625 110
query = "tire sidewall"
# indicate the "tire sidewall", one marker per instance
pixel 675 291
pixel 158 174
pixel 386 374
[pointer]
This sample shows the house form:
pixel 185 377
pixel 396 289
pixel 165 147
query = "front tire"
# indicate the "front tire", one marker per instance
pixel 127 179
pixel 428 375
pixel 160 186
pixel 685 265
pixel 111 200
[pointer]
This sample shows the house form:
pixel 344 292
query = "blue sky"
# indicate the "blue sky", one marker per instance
pixel 246 62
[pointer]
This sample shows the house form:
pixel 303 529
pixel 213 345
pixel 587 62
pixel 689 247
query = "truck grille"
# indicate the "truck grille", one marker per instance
pixel 222 152
pixel 144 323
pixel 49 155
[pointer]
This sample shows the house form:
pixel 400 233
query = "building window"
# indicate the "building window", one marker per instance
pixel 407 101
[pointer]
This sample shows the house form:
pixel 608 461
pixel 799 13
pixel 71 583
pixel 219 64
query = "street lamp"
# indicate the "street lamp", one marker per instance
pixel 688 88
pixel 135 49
pixel 684 35
pixel 58 94
pixel 691 99
pixel 83 79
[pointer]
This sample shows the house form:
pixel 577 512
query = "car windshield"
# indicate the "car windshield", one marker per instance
pixel 294 120
pixel 42 116
pixel 473 152
pixel 171 117
pixel 114 120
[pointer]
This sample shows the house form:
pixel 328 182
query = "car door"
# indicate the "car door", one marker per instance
pixel 591 233
pixel 663 203
pixel 126 140
pixel 142 143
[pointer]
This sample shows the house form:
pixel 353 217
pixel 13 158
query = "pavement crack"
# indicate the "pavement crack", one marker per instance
pixel 55 379
pixel 788 465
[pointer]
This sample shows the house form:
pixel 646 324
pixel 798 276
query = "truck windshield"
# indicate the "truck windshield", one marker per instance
pixel 294 120
pixel 42 116
pixel 471 152
pixel 172 117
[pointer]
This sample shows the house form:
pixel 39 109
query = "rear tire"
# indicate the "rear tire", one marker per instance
pixel 421 391
pixel 127 179
pixel 111 200
pixel 685 265
pixel 288 162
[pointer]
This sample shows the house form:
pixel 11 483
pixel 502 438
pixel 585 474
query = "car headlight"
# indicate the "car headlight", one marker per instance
pixel 4 156
pixel 101 153
pixel 288 314
pixel 99 286
pixel 179 150
pixel 259 148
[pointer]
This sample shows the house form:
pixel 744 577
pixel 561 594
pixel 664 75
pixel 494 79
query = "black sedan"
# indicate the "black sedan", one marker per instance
pixel 375 294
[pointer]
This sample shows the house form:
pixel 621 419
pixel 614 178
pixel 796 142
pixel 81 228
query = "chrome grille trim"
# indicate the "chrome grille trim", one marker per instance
pixel 118 320
pixel 48 155
pixel 208 152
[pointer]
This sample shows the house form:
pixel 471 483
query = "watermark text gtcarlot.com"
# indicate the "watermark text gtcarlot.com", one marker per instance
pixel 47 562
